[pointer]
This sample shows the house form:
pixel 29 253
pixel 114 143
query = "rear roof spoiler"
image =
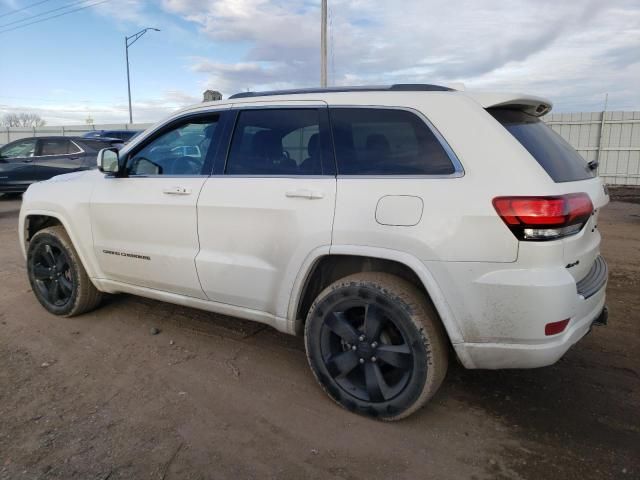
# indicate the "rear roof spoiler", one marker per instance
pixel 530 104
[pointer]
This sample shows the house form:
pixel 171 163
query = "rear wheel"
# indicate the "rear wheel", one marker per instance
pixel 375 345
pixel 57 276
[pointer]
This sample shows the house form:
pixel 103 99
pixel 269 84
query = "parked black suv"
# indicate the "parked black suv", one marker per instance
pixel 29 160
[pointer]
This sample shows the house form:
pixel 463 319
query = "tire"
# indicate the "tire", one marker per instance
pixel 58 278
pixel 376 345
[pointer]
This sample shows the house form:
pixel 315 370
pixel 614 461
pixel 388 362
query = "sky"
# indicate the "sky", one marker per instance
pixel 72 67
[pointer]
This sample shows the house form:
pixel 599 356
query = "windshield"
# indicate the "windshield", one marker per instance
pixel 551 151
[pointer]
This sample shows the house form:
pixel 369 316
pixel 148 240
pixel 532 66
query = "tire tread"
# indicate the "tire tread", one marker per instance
pixel 424 318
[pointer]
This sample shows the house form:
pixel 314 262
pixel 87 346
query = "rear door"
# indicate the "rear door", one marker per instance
pixel 57 156
pixel 268 207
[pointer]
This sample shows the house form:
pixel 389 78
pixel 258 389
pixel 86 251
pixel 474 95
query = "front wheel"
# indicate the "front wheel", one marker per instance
pixel 376 345
pixel 58 278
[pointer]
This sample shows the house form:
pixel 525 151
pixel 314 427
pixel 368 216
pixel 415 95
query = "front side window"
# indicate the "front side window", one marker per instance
pixel 57 146
pixel 21 149
pixel 276 142
pixel 376 141
pixel 180 151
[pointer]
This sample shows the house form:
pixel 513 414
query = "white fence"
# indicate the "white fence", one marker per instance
pixel 612 138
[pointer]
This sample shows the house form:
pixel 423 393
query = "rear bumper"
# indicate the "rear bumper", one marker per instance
pixel 533 355
pixel 502 310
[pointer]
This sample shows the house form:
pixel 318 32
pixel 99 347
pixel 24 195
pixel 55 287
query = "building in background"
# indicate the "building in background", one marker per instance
pixel 211 96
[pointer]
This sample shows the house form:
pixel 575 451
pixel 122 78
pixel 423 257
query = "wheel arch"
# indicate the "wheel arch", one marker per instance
pixel 342 261
pixel 34 221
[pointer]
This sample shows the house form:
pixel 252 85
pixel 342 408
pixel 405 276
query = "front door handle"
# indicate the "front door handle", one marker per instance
pixel 176 191
pixel 305 193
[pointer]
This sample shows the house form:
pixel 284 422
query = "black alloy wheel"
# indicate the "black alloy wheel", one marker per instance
pixel 376 345
pixel 52 274
pixel 364 351
pixel 58 278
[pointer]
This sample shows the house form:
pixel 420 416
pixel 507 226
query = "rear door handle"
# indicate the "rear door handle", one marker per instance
pixel 176 191
pixel 305 193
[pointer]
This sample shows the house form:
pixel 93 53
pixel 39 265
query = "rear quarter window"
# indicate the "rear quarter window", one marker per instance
pixel 382 141
pixel 558 158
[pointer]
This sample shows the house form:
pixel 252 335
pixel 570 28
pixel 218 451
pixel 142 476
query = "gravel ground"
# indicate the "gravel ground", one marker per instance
pixel 101 397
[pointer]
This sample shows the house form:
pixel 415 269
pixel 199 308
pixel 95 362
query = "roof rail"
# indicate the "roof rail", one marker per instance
pixel 399 87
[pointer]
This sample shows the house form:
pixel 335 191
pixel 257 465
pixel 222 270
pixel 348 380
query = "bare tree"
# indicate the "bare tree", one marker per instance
pixel 22 120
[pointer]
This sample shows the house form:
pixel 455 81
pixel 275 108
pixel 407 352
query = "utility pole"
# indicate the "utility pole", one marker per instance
pixel 126 53
pixel 128 41
pixel 323 46
pixel 602 122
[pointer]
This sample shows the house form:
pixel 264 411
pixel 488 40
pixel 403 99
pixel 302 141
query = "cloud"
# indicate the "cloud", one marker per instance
pixel 541 45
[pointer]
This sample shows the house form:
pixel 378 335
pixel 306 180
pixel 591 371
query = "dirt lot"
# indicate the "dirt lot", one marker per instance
pixel 99 397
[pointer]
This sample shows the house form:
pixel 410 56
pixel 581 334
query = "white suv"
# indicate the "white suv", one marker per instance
pixel 392 226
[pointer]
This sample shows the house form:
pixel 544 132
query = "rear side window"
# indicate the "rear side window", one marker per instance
pixel 57 147
pixel 276 142
pixel 376 141
pixel 551 151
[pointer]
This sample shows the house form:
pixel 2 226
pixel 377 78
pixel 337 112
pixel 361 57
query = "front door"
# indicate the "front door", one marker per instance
pixel 144 221
pixel 16 165
pixel 268 207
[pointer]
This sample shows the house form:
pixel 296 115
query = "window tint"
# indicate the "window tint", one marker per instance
pixel 276 142
pixel 57 146
pixel 181 151
pixel 551 151
pixel 21 149
pixel 372 141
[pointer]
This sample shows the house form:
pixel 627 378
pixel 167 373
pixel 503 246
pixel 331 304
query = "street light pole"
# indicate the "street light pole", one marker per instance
pixel 323 44
pixel 128 41
pixel 126 50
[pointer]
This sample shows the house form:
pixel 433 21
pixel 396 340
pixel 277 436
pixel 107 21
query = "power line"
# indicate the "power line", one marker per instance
pixel 53 16
pixel 43 13
pixel 23 8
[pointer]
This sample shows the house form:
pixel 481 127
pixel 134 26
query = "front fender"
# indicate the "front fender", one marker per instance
pixel 69 203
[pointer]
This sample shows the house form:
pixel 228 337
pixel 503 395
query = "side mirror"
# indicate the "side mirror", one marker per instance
pixel 108 160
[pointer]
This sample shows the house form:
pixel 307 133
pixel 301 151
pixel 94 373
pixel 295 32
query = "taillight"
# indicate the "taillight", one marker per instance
pixel 544 218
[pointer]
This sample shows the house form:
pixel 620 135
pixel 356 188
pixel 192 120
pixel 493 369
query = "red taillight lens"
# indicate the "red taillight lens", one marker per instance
pixel 544 218
pixel 555 328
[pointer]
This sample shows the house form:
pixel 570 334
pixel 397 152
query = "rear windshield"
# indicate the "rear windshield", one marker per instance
pixel 551 151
